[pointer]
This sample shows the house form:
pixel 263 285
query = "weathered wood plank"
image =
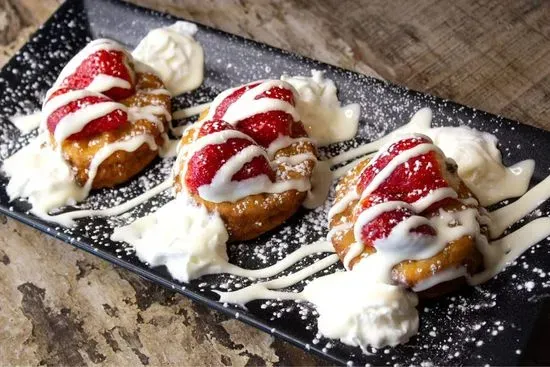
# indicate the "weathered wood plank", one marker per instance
pixel 62 306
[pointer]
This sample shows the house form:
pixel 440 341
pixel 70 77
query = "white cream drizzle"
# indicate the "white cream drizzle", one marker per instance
pixel 502 252
pixel 191 111
pixel 354 250
pixel 440 277
pixel 150 113
pixel 401 158
pixel 26 123
pixel 341 171
pixel 338 228
pixel 222 188
pixel 67 218
pixel 75 121
pixel 198 247
pixel 129 145
pixel 76 61
pixel 169 148
pixel 158 91
pixel 350 307
pixel 184 114
pixel 247 105
pixel 263 290
pixel 103 82
pixel 507 215
pixel 476 154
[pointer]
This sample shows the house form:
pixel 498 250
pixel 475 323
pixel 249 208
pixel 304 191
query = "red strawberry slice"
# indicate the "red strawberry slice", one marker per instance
pixel 381 226
pixel 284 94
pixel 107 62
pixel 57 92
pixel 212 126
pixel 409 182
pixel 204 164
pixel 256 167
pixel 110 121
pixel 265 127
pixel 232 98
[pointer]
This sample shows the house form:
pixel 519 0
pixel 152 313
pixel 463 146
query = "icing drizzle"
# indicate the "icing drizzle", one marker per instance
pixel 262 121
pixel 83 100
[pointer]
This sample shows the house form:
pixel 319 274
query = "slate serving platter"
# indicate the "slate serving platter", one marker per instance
pixel 505 321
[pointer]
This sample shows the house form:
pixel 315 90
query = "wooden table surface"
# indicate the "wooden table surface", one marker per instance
pixel 61 306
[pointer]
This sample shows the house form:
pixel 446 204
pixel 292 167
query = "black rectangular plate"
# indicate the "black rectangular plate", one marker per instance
pixel 502 322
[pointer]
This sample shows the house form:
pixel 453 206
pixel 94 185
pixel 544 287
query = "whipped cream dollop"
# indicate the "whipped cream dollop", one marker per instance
pixel 480 163
pixel 174 55
pixel 40 174
pixel 322 114
pixel 181 235
pixel 363 313
pixel 475 152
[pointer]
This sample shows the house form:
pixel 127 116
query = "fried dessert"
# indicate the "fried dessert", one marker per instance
pixel 107 119
pixel 248 158
pixel 409 217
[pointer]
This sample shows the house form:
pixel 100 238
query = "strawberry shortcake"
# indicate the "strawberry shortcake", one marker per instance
pixel 248 158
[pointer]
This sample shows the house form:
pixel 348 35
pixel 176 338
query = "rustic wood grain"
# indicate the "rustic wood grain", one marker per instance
pixel 60 306
pixel 489 54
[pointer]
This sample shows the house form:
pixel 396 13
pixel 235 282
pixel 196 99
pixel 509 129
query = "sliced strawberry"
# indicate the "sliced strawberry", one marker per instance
pixel 414 179
pixel 204 164
pixel 284 94
pixel 232 98
pixel 385 158
pixel 58 92
pixel 408 182
pixel 107 62
pixel 381 226
pixel 265 127
pixel 110 121
pixel 213 126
